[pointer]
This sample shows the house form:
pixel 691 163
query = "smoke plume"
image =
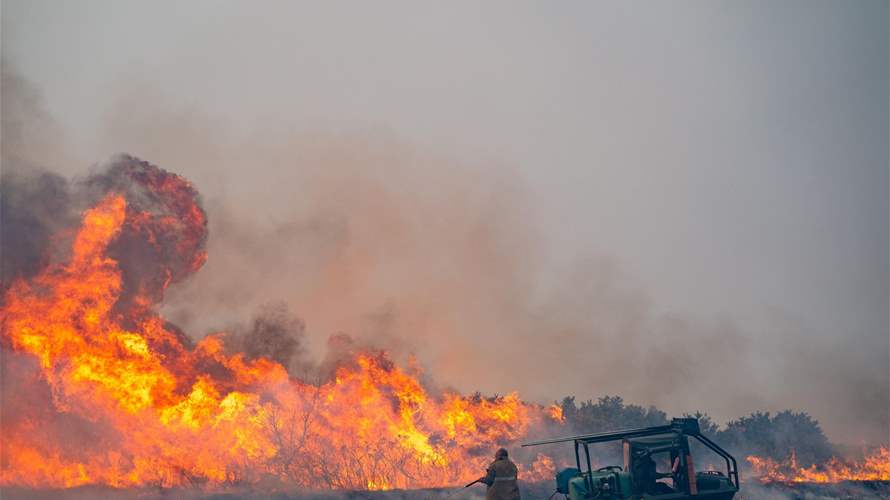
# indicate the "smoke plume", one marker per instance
pixel 435 256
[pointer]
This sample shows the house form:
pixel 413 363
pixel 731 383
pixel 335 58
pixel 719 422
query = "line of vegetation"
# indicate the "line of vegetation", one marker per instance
pixel 761 433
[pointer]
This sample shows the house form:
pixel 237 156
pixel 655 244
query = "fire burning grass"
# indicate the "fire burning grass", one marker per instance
pixel 105 393
pixel 835 479
pixel 875 466
pixel 160 413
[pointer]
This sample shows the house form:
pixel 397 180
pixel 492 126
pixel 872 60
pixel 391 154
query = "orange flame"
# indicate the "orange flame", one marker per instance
pixel 875 466
pixel 106 392
pixel 555 413
pixel 132 405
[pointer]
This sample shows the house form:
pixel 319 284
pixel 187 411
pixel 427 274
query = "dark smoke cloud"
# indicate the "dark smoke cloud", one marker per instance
pixel 273 333
pixel 163 245
pixel 34 207
pixel 166 242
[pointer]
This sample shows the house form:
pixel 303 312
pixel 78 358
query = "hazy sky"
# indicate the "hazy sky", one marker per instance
pixel 730 159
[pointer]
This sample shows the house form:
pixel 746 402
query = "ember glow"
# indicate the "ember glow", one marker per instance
pixel 874 466
pixel 130 403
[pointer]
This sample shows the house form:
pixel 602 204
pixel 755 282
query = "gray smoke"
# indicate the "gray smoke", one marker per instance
pixel 35 203
pixel 445 257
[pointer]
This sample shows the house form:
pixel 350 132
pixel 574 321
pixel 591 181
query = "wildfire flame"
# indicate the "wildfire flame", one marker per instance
pixel 104 391
pixel 875 466
pixel 130 403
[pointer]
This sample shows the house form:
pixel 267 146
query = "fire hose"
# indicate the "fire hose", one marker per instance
pixel 479 481
pixel 461 489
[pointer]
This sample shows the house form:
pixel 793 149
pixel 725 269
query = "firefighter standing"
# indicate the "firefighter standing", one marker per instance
pixel 500 477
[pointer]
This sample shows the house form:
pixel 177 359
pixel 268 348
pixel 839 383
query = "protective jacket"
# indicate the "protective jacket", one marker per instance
pixel 501 480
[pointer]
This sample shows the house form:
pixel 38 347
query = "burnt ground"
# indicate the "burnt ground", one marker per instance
pixel 853 490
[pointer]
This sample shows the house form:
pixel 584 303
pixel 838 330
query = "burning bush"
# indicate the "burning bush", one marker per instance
pixel 99 389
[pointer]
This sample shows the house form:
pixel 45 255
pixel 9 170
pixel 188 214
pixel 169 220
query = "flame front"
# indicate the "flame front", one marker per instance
pixel 132 405
pixel 104 391
pixel 875 466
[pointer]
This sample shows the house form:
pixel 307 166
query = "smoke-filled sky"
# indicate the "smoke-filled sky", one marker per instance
pixel 682 203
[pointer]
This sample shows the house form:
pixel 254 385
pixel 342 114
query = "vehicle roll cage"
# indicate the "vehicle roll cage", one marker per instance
pixel 684 426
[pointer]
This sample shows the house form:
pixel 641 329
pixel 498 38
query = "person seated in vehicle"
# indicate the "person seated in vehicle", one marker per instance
pixel 646 477
pixel 645 474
